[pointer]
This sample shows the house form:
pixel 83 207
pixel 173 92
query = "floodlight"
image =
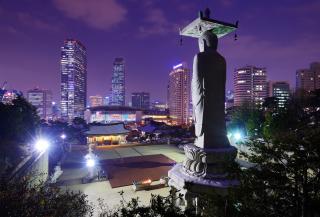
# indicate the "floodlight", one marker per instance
pixel 238 136
pixel 90 163
pixel 42 145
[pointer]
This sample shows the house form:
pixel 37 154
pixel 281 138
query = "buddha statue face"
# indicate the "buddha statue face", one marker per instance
pixel 208 41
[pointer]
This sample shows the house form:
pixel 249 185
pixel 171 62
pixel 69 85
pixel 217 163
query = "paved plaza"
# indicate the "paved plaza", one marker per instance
pixel 74 169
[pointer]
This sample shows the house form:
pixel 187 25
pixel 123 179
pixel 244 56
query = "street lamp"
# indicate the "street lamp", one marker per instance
pixel 238 136
pixel 63 136
pixel 42 145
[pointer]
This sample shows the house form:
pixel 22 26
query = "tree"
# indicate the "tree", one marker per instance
pixel 18 126
pixel 18 120
pixel 20 199
pixel 286 178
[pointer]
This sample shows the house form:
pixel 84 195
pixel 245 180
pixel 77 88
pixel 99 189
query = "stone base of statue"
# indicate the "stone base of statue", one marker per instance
pixel 204 172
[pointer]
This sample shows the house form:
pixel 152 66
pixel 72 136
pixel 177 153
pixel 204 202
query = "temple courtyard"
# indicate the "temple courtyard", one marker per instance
pixel 123 166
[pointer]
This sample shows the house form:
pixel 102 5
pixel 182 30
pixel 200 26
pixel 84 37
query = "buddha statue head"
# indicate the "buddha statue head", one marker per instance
pixel 208 41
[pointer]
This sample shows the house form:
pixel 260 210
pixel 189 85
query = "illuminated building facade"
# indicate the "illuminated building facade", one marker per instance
pixel 308 79
pixel 250 85
pixel 42 100
pixel 114 114
pixel 179 94
pixel 96 101
pixel 281 91
pixel 73 79
pixel 159 106
pixel 140 100
pixel 118 93
pixel 110 134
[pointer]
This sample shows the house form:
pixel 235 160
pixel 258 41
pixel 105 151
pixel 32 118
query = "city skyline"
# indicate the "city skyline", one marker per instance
pixel 32 34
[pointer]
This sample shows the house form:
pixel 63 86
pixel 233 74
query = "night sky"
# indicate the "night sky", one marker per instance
pixel 280 35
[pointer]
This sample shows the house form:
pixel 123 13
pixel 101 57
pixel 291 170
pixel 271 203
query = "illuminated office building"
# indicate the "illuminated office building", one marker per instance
pixel 281 91
pixel 179 94
pixel 96 101
pixel 250 85
pixel 42 100
pixel 308 79
pixel 118 93
pixel 73 79
pixel 140 100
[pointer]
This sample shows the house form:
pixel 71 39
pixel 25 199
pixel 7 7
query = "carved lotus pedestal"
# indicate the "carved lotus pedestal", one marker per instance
pixel 204 172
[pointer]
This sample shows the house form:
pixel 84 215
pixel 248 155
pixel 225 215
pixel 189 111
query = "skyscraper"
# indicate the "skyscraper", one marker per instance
pixel 118 93
pixel 73 79
pixel 250 85
pixel 308 79
pixel 281 91
pixel 179 94
pixel 96 101
pixel 140 100
pixel 42 100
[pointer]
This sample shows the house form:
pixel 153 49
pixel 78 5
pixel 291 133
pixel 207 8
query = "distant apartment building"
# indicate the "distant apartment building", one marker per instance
pixel 96 101
pixel 118 93
pixel 281 91
pixel 250 85
pixel 140 100
pixel 42 100
pixel 179 94
pixel 73 79
pixel 308 80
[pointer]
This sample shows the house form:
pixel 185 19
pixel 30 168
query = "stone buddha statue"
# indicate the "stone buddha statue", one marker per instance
pixel 208 94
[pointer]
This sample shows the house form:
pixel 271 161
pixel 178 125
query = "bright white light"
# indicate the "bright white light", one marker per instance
pixel 177 66
pixel 90 163
pixel 63 136
pixel 237 136
pixel 42 145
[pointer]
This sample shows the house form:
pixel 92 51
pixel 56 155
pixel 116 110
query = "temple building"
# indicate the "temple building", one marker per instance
pixel 110 134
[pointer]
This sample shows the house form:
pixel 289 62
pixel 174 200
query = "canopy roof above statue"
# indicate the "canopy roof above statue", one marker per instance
pixel 202 24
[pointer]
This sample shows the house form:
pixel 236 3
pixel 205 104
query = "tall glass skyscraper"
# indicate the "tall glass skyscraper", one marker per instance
pixel 73 79
pixel 118 93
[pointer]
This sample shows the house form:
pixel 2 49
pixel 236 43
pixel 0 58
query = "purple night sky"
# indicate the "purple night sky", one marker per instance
pixel 280 35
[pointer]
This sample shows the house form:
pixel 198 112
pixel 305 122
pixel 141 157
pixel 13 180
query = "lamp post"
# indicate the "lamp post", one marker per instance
pixel 91 159
pixel 63 136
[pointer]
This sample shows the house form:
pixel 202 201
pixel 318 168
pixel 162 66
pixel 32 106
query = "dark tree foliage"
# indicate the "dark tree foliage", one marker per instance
pixel 18 126
pixel 21 199
pixel 159 207
pixel 18 121
pixel 286 178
